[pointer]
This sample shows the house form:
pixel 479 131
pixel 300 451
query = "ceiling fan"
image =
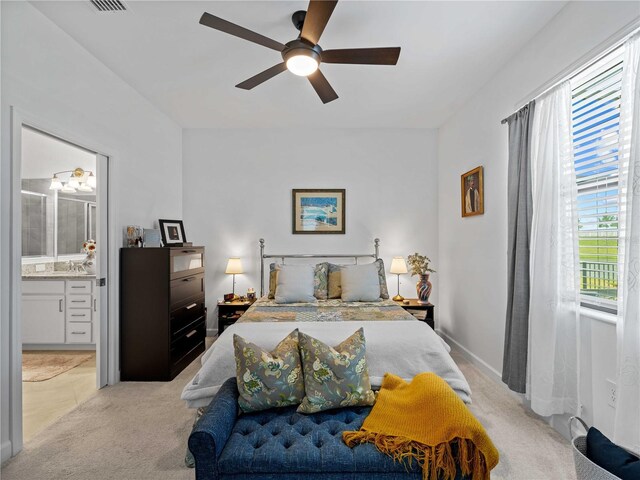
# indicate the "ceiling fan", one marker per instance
pixel 303 55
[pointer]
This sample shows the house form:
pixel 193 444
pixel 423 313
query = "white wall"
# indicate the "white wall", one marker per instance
pixel 237 189
pixel 473 251
pixel 49 77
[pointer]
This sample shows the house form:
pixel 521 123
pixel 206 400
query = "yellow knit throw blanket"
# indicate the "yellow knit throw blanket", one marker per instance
pixel 422 420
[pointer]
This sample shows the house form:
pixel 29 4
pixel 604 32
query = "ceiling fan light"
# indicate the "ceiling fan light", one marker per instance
pixel 302 65
pixel 68 189
pixel 85 188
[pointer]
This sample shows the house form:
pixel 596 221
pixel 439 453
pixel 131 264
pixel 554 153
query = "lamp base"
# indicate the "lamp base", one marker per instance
pixel 398 298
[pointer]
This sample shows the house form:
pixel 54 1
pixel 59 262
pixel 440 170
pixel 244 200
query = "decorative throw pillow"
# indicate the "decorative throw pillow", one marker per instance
pixel 295 284
pixel 334 281
pixel 334 377
pixel 320 280
pixel 268 379
pixel 273 280
pixel 384 291
pixel 614 459
pixel 360 283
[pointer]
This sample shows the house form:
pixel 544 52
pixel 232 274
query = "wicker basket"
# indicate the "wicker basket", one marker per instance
pixel 585 468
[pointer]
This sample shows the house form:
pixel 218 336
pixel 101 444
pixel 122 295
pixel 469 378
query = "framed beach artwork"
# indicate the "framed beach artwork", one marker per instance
pixel 318 210
pixel 472 192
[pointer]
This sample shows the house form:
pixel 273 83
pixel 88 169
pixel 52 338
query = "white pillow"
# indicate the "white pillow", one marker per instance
pixel 360 283
pixel 295 284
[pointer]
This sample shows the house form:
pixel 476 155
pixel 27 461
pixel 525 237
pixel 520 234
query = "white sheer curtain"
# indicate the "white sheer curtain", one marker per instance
pixel 553 315
pixel 627 415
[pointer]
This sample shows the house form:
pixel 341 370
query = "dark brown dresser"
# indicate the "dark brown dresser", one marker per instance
pixel 162 311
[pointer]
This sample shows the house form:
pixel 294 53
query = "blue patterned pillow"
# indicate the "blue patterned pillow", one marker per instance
pixel 334 377
pixel 268 379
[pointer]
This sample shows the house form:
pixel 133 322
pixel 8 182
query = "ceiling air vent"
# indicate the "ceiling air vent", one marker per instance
pixel 109 5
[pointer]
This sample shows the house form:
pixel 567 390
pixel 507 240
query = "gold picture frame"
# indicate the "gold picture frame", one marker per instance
pixel 318 211
pixel 472 192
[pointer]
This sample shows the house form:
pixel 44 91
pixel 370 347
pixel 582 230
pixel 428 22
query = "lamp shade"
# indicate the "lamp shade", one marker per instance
pixel 234 265
pixel 56 184
pixel 398 265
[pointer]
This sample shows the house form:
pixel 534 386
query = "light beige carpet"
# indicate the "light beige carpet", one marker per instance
pixel 40 365
pixel 138 431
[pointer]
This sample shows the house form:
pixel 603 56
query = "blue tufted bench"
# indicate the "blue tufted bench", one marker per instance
pixel 281 444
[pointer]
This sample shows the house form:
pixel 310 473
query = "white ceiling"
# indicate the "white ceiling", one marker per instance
pixel 449 50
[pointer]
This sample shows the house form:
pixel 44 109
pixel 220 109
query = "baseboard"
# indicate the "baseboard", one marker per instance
pixel 5 451
pixel 476 361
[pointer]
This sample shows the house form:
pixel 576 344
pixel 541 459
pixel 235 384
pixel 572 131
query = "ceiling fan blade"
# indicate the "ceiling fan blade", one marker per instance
pixel 316 19
pixel 232 29
pixel 322 87
pixel 262 76
pixel 368 56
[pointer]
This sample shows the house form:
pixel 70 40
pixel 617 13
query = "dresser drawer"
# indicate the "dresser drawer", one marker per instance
pixel 186 290
pixel 191 339
pixel 183 317
pixel 186 261
pixel 78 332
pixel 79 315
pixel 43 287
pixel 79 286
pixel 79 301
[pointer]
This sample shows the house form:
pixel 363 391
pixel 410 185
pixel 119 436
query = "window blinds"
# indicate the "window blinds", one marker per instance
pixel 595 130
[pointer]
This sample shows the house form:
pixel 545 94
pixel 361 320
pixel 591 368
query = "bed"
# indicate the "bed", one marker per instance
pixel 396 341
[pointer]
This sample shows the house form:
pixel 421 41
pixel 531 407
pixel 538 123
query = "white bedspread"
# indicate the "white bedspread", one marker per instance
pixel 402 348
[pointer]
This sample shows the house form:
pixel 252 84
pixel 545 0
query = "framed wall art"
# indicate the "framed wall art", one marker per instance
pixel 472 192
pixel 172 232
pixel 318 211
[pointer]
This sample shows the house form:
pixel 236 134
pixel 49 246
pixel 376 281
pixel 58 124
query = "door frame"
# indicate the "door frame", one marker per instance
pixel 108 335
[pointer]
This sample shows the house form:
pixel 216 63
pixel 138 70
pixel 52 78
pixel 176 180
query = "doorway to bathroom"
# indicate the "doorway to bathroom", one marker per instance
pixel 63 200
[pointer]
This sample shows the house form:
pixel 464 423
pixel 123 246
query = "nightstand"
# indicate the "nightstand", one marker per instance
pixel 414 305
pixel 229 312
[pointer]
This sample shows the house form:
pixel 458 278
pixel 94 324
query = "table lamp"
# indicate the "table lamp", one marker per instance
pixel 398 266
pixel 234 266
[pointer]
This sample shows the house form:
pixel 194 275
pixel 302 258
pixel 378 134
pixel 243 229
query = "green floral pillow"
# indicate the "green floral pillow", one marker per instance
pixel 334 377
pixel 268 379
pixel 320 280
pixel 384 292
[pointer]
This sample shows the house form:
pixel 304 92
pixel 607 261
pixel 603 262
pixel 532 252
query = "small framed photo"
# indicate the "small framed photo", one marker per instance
pixel 172 232
pixel 472 192
pixel 318 211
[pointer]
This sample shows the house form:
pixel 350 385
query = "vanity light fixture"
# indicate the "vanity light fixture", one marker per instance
pixel 81 180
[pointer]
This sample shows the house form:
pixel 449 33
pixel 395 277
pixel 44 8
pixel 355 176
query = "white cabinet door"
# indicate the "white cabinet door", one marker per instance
pixel 43 318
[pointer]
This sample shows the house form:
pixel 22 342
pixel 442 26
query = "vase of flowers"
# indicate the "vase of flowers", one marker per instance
pixel 419 265
pixel 89 263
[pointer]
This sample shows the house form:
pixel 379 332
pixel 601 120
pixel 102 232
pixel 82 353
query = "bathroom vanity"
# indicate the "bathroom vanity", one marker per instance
pixel 59 311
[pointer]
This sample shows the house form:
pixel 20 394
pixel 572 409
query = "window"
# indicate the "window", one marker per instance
pixel 595 130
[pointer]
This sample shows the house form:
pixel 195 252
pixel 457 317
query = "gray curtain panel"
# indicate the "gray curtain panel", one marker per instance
pixel 516 338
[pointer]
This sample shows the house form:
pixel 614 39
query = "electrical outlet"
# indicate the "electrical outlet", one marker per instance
pixel 611 393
